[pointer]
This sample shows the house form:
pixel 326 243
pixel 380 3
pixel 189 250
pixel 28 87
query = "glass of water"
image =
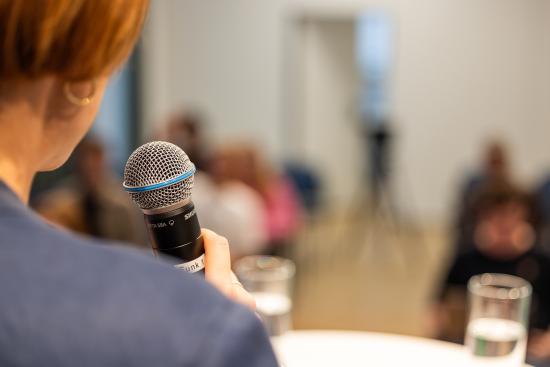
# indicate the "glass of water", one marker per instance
pixel 496 334
pixel 269 279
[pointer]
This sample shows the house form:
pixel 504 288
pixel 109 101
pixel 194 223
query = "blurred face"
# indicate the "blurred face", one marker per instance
pixel 496 162
pixel 182 135
pixel 67 123
pixel 221 166
pixel 504 232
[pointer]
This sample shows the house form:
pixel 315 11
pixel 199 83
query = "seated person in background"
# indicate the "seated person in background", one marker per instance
pixel 503 243
pixel 92 202
pixel 229 206
pixel 281 201
pixel 494 170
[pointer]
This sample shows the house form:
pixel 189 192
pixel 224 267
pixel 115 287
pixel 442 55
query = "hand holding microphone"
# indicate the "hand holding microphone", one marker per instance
pixel 218 269
pixel 159 178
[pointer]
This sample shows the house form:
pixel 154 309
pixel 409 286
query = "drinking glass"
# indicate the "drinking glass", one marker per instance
pixel 269 279
pixel 496 334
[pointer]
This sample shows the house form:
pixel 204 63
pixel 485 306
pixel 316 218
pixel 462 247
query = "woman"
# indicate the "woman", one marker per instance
pixel 65 301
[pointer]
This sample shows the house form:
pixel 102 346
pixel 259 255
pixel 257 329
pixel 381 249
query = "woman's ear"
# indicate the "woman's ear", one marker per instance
pixel 80 93
pixel 70 99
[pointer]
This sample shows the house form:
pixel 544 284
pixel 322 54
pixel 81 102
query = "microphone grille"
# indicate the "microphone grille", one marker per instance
pixel 152 173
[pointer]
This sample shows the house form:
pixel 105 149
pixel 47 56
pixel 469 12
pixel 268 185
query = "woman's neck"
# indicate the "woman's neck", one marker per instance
pixel 19 180
pixel 20 143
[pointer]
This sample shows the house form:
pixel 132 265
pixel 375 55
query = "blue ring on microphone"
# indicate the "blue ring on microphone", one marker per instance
pixel 161 185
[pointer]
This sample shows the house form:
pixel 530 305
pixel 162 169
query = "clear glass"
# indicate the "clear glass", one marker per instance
pixel 269 279
pixel 496 334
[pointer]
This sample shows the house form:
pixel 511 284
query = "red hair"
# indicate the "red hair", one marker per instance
pixel 72 39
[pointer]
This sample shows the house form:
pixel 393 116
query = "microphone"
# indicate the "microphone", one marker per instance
pixel 159 178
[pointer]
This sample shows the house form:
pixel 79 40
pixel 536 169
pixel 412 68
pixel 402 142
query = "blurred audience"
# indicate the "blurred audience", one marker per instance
pixel 281 202
pixel 231 207
pixel 495 170
pixel 502 242
pixel 257 209
pixel 92 201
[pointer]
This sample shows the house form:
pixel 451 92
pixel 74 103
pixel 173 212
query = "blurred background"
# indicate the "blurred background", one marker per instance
pixel 353 137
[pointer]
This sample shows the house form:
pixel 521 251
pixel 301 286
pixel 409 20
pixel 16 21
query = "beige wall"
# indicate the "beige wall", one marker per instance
pixel 466 69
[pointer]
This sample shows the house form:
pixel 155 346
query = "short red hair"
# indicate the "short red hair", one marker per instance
pixel 72 39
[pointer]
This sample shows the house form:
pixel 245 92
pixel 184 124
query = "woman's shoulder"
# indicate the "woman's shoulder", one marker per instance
pixel 43 255
pixel 97 293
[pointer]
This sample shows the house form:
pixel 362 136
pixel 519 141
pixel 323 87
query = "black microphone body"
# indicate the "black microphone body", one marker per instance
pixel 177 233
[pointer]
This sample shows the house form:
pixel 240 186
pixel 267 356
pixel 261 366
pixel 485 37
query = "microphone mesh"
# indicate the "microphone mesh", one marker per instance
pixel 154 163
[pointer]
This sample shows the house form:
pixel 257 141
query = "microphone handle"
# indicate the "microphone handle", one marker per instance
pixel 177 233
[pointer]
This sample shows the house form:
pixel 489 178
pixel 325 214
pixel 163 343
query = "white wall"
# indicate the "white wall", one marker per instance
pixel 466 70
pixel 324 127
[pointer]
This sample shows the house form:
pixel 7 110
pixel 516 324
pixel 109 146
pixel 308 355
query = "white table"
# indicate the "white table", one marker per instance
pixel 347 348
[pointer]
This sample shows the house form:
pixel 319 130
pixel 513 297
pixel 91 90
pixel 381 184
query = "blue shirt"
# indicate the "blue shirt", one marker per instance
pixel 66 300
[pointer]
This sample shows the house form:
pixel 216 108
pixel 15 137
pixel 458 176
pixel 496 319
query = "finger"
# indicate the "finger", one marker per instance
pixel 240 294
pixel 217 261
pixel 243 297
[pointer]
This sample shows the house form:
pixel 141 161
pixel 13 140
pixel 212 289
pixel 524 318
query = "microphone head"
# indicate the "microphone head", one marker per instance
pixel 158 174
